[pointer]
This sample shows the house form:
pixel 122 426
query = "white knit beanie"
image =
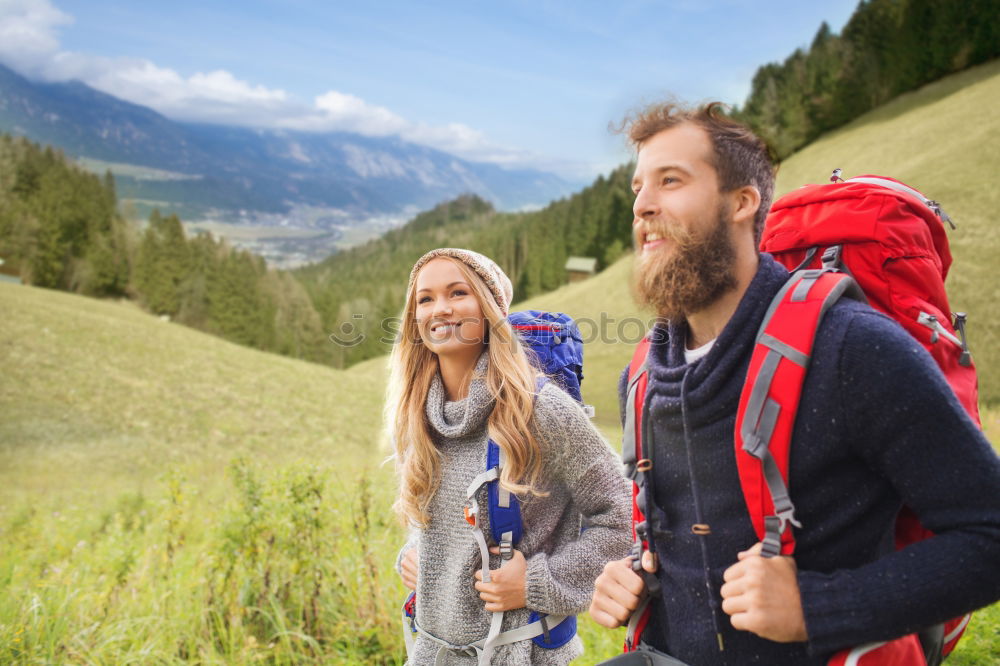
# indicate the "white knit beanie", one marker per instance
pixel 496 280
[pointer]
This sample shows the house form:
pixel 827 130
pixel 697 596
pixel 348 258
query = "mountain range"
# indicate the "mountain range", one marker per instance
pixel 246 175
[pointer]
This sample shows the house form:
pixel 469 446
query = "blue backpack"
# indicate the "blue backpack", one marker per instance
pixel 555 346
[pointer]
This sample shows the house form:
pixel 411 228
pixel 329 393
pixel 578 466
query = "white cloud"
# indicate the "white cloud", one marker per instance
pixel 335 110
pixel 216 96
pixel 29 43
pixel 28 33
pixel 453 137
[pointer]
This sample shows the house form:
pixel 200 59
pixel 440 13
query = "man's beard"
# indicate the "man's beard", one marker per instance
pixel 692 276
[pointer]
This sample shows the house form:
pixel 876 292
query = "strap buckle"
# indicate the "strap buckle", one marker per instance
pixel 753 444
pixel 831 257
pixel 785 518
pixel 506 549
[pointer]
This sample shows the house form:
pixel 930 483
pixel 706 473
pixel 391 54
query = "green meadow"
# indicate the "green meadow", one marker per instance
pixel 168 497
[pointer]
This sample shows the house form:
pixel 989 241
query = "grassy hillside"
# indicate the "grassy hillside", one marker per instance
pixel 943 139
pixel 167 496
pixel 98 388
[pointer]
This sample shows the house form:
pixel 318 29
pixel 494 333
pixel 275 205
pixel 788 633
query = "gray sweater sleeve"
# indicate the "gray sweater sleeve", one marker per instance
pixel 561 581
pixel 412 541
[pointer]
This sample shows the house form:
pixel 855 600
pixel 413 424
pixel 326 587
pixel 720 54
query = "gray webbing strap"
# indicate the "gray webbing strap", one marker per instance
pixel 633 621
pixel 506 545
pixel 785 349
pixel 759 419
pixel 528 631
pixel 503 495
pixel 486 653
pixel 784 510
pixel 762 412
pixel 749 429
pixel 483 477
pixel 775 302
pixel 408 634
pixel 477 649
pixel 809 278
pixel 628 435
pixel 758 426
pixel 771 545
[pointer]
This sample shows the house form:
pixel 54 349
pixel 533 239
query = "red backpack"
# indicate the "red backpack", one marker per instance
pixel 891 240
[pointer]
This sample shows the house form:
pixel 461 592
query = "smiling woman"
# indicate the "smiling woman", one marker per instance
pixel 450 320
pixel 462 384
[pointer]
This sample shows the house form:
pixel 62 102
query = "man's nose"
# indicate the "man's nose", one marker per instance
pixel 645 205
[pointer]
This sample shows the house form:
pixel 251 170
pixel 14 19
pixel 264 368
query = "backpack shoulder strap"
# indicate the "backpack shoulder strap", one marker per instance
pixel 504 509
pixel 770 399
pixel 638 467
pixel 632 431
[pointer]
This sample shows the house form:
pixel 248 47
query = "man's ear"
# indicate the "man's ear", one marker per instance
pixel 745 202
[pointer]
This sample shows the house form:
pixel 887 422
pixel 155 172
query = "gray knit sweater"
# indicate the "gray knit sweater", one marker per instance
pixel 582 478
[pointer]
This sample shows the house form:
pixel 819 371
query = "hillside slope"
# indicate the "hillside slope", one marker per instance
pixel 101 396
pixel 943 139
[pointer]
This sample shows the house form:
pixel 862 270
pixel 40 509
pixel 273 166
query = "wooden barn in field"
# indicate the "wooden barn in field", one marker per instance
pixel 580 268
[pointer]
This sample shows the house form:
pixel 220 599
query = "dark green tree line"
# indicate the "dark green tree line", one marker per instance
pixel 58 224
pixel 887 47
pixel 60 229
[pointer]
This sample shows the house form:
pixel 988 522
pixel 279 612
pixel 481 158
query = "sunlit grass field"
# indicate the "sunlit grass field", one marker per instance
pixel 168 497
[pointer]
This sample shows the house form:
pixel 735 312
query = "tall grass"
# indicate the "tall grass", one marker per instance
pixel 295 566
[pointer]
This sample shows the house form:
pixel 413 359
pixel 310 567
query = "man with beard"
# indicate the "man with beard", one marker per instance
pixel 878 427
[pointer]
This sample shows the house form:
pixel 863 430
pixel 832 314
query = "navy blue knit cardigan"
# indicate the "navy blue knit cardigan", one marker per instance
pixel 877 427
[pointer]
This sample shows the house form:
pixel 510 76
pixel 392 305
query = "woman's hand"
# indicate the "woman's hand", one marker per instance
pixel 408 568
pixel 507 589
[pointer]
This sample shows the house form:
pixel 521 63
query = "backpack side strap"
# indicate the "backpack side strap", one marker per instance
pixel 638 465
pixel 770 399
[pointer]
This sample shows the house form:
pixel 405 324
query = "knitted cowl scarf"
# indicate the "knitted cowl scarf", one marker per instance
pixel 465 417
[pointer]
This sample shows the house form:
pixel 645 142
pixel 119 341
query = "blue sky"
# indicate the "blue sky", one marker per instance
pixel 522 84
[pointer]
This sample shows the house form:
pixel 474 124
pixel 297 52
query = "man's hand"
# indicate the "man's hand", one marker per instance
pixel 408 568
pixel 507 589
pixel 618 591
pixel 761 595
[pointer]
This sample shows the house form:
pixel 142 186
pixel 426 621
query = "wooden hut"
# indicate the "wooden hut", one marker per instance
pixel 580 268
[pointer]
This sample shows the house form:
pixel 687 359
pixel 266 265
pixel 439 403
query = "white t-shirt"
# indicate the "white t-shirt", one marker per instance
pixel 692 355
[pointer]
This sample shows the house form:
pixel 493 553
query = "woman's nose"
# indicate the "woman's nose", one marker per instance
pixel 442 307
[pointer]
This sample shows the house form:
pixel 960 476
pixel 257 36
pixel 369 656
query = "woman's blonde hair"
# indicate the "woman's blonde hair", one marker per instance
pixel 511 381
